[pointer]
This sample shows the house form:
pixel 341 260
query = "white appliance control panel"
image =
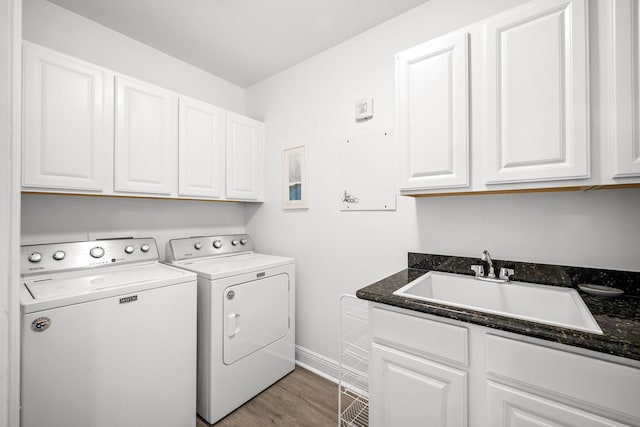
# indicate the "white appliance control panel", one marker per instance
pixel 57 257
pixel 206 246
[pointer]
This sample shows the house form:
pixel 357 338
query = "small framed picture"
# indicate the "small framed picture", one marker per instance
pixel 295 185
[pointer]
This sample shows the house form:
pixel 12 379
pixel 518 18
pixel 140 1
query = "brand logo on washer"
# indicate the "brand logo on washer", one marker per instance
pixel 41 324
pixel 128 299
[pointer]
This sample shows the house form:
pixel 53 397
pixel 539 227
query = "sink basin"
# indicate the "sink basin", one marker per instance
pixel 551 305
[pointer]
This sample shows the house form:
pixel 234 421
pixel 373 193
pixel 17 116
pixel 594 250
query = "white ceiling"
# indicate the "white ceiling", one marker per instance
pixel 241 41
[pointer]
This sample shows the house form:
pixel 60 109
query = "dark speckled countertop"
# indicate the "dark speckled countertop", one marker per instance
pixel 619 318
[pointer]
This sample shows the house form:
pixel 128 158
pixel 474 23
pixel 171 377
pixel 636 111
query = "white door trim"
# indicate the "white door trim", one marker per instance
pixel 10 136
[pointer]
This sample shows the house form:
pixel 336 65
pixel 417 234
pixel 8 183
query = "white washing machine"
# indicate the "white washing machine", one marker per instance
pixel 246 329
pixel 108 336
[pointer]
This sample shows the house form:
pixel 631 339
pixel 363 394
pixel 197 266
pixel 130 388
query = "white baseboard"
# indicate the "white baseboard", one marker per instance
pixel 317 363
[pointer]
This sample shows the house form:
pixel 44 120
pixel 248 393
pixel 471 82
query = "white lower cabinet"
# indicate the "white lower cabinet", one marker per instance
pixel 417 371
pixel 510 407
pixel 420 376
pixel 413 391
pixel 597 386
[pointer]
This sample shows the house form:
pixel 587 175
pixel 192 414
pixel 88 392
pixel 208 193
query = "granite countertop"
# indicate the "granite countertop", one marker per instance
pixel 619 318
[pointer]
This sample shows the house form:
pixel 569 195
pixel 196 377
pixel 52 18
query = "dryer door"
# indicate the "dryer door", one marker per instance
pixel 256 314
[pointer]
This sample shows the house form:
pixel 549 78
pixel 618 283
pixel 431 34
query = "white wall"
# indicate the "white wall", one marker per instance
pixel 599 229
pixel 59 29
pixel 312 104
pixel 59 218
pixel 47 219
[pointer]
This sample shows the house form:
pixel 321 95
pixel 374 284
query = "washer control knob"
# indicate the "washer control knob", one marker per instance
pixel 217 244
pixel 35 257
pixel 145 248
pixel 129 249
pixel 97 252
pixel 243 242
pixel 234 242
pixel 198 245
pixel 58 255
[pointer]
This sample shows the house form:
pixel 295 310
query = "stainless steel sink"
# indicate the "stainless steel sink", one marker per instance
pixel 551 305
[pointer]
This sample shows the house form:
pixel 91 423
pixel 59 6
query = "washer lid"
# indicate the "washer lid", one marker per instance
pixel 70 288
pixel 220 267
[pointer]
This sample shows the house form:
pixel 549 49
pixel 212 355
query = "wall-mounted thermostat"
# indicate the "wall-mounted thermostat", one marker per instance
pixel 364 108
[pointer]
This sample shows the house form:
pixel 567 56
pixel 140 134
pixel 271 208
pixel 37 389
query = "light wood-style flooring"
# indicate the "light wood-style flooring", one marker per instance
pixel 301 399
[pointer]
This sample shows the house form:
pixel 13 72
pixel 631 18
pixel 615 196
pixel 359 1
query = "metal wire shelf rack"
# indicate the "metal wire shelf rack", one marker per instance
pixel 353 395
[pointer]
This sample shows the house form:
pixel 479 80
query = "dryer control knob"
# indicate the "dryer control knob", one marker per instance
pixel 58 255
pixel 234 242
pixel 217 244
pixel 97 252
pixel 129 249
pixel 198 245
pixel 145 248
pixel 243 242
pixel 35 257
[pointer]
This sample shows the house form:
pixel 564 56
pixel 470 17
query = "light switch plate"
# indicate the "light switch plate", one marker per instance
pixel 364 108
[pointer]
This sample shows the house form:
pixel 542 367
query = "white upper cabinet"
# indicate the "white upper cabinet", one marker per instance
pixel 626 95
pixel 88 130
pixel 68 119
pixel 536 93
pixel 201 150
pixel 245 156
pixel 432 101
pixel 146 139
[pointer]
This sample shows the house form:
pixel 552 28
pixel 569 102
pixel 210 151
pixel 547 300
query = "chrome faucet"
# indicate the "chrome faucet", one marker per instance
pixel 487 257
pixel 505 272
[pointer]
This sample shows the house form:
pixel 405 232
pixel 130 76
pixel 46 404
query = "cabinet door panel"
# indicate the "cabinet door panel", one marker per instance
pixel 67 121
pixel 244 157
pixel 537 93
pixel 145 138
pixel 408 391
pixel 626 117
pixel 201 142
pixel 566 374
pixel 509 407
pixel 433 108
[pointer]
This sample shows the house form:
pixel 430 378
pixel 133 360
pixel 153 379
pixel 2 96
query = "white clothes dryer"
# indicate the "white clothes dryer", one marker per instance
pixel 246 313
pixel 108 336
